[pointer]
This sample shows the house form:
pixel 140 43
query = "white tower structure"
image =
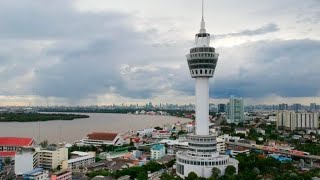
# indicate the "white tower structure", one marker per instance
pixel 202 154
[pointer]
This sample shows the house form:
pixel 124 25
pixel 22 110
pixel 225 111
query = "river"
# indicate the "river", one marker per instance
pixel 71 131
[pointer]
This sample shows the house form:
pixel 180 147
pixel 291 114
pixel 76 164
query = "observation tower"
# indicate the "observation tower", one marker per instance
pixel 202 154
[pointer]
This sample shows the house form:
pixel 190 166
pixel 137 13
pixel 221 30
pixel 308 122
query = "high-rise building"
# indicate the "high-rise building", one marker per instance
pixel 289 120
pixel 202 154
pixel 235 110
pixel 296 107
pixel 213 108
pixel 313 106
pixel 221 108
pixel 283 107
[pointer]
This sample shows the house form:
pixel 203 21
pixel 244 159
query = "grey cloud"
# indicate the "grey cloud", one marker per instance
pixel 87 52
pixel 284 68
pixel 268 28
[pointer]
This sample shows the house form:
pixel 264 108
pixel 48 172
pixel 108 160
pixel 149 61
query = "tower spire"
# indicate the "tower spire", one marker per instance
pixel 202 28
pixel 202 10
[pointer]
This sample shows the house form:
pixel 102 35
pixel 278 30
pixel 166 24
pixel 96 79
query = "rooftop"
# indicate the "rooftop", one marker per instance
pixel 36 171
pixel 157 147
pixel 102 136
pixel 79 159
pixel 80 153
pixel 16 141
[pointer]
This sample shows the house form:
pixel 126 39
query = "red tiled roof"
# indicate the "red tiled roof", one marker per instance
pixel 7 153
pixel 15 141
pixel 102 136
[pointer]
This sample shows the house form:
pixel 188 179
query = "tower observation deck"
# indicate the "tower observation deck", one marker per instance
pixel 202 154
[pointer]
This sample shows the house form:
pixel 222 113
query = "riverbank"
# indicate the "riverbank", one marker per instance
pixel 34 117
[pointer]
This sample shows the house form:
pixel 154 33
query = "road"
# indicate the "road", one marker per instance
pixel 313 157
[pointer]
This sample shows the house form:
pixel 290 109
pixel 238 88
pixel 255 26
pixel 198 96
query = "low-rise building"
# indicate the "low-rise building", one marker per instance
pixel 62 175
pixel 102 138
pixel 14 143
pixel 36 174
pixel 161 134
pixel 242 131
pixel 158 151
pixel 78 164
pixel 259 130
pixel 238 150
pixel 7 154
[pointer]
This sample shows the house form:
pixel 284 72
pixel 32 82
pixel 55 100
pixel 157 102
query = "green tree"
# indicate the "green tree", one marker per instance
pixel 192 176
pixel 230 170
pixel 7 161
pixel 44 143
pixel 158 128
pixel 215 173
pixel 166 176
pixel 142 176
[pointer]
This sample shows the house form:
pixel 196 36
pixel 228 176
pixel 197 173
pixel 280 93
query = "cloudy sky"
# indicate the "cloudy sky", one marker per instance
pixel 84 52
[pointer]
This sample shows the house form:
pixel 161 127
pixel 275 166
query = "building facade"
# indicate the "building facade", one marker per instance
pixel 14 143
pixel 222 108
pixel 77 164
pixel 26 159
pixel 51 158
pixel 283 107
pixel 235 110
pixel 313 107
pixel 290 120
pixel 30 158
pixel 158 151
pixel 103 138
pixel 62 175
pixel 202 155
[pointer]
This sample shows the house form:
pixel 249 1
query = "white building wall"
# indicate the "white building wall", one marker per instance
pixel 23 163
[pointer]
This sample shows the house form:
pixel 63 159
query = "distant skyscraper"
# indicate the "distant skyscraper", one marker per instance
pixel 283 107
pixel 202 154
pixel 221 108
pixel 313 106
pixel 296 107
pixel 235 110
pixel 213 108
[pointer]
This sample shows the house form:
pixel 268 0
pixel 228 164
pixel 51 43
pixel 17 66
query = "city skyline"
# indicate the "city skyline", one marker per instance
pixel 105 52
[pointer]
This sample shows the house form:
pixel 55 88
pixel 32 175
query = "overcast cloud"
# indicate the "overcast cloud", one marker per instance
pixel 89 52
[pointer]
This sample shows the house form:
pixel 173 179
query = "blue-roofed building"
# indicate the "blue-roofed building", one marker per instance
pixel 158 151
pixel 280 158
pixel 38 174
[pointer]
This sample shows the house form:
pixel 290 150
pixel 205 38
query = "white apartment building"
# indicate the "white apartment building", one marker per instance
pixel 25 161
pixel 235 110
pixel 79 163
pixel 289 120
pixel 28 159
pixel 158 151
